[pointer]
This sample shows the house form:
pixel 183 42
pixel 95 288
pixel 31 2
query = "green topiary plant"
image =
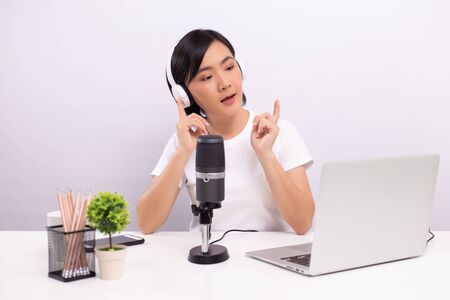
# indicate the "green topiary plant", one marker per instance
pixel 108 214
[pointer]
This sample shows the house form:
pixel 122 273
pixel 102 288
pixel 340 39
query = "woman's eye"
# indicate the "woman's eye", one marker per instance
pixel 206 78
pixel 230 68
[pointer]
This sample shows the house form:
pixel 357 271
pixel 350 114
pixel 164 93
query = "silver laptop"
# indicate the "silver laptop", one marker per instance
pixel 369 212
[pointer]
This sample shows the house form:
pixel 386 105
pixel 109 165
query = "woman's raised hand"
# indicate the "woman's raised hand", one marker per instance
pixel 187 137
pixel 265 130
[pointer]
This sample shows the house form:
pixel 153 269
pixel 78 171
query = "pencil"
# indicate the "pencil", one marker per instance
pixel 73 215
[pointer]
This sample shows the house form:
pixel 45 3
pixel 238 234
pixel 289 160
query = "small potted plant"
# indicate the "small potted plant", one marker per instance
pixel 108 214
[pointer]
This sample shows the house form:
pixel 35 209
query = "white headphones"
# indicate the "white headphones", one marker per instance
pixel 178 90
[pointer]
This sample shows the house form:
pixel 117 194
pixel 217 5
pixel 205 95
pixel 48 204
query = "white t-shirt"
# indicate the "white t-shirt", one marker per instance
pixel 248 200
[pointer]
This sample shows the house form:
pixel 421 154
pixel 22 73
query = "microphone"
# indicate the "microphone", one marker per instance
pixel 210 192
pixel 210 170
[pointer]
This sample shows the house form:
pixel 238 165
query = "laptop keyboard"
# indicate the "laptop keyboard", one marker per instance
pixel 299 259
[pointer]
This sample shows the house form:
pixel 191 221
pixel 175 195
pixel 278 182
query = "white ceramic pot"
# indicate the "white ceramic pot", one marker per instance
pixel 111 261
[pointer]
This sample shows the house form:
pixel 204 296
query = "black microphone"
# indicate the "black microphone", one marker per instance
pixel 210 170
pixel 210 192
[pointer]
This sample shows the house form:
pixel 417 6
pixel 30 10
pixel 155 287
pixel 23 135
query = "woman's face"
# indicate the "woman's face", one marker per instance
pixel 218 77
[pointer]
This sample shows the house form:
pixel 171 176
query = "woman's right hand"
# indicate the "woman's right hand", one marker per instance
pixel 186 136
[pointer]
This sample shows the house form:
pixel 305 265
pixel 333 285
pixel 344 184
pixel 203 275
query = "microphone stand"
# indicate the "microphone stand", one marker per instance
pixel 206 253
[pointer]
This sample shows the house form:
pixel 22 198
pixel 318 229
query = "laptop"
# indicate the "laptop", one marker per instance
pixel 369 212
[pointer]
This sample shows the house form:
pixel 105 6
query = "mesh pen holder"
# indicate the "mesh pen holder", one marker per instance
pixel 68 259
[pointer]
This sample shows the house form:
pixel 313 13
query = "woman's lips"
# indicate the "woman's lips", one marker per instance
pixel 229 100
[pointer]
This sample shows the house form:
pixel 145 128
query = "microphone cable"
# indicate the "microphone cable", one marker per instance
pixel 251 230
pixel 432 235
pixel 239 230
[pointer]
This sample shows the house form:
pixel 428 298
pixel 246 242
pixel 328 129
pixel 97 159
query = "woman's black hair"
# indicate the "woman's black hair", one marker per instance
pixel 187 57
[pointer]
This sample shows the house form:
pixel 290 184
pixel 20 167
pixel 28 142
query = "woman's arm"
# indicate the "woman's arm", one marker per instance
pixel 291 192
pixel 156 202
pixel 290 189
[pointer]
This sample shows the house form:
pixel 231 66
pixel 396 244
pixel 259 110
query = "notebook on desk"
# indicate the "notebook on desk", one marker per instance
pixel 369 212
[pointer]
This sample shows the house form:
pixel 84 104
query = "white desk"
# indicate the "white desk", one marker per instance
pixel 159 269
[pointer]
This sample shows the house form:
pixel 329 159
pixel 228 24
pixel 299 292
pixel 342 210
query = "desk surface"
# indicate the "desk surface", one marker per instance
pixel 159 269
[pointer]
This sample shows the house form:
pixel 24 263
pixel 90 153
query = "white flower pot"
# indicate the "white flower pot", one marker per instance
pixel 111 261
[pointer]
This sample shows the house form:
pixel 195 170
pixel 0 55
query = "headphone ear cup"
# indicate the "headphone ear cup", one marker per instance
pixel 242 67
pixel 179 92
pixel 243 72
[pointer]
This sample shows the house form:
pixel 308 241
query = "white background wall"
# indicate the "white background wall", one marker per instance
pixel 84 103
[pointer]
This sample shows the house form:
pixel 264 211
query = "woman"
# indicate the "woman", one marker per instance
pixel 266 186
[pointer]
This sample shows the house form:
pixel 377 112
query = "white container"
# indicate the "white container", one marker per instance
pixel 111 262
pixel 54 218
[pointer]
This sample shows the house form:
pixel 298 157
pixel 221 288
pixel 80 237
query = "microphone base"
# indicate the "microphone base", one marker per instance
pixel 216 254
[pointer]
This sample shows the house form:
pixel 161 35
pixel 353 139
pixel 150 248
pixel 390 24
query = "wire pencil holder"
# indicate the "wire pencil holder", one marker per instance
pixel 68 259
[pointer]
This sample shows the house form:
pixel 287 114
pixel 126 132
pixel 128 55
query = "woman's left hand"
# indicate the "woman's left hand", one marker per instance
pixel 265 131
